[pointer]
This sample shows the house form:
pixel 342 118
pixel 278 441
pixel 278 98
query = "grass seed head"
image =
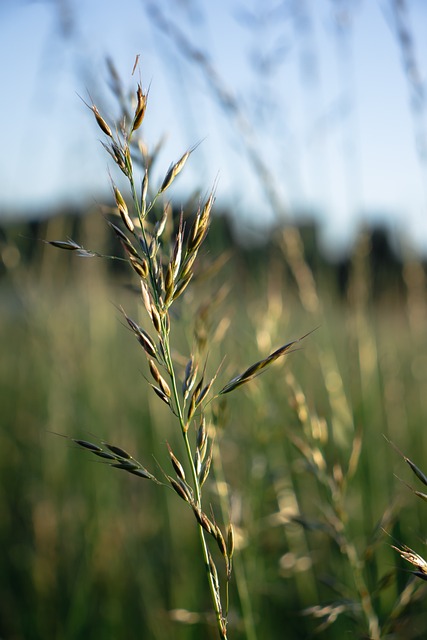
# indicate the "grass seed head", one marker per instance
pixel 182 489
pixel 123 210
pixel 202 438
pixel 206 466
pixel 230 540
pixel 101 122
pixel 220 541
pixel 118 451
pixel 88 445
pixel 189 377
pixel 173 171
pixel 162 395
pixel 159 378
pixel 179 469
pixel 139 265
pixel 140 108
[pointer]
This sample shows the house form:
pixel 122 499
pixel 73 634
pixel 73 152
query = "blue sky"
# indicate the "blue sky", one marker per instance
pixel 320 84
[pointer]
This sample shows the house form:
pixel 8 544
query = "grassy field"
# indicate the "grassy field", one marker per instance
pixel 313 487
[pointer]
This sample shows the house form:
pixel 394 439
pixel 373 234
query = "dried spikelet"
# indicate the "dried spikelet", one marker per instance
pixel 143 337
pixel 126 465
pixel 220 540
pixel 202 438
pixel 123 210
pixel 162 395
pixel 147 344
pixel 87 445
pixel 166 322
pixel 169 284
pixel 179 469
pixel 105 455
pixel 146 297
pixel 187 265
pixel 118 451
pixel 155 317
pixel 230 540
pixel 69 245
pixel 420 475
pixel 191 408
pixel 128 159
pixel 204 472
pixel 203 519
pixel 177 250
pixel 189 377
pixel 161 224
pixel 410 556
pixel 140 108
pixel 202 393
pixel 255 369
pixel 144 189
pixel 117 458
pixel 200 226
pixel 181 286
pixel 117 154
pixel 173 171
pixel 159 378
pixel 139 265
pixel 126 244
pixel 214 573
pixel 142 473
pixel 101 122
pixel 197 461
pixel 206 211
pixel 182 489
pixel 197 389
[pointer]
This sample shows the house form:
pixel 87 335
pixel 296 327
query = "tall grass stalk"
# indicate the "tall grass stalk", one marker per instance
pixel 162 252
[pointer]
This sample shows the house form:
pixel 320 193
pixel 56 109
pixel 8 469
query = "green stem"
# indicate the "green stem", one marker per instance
pixel 179 412
pixel 197 488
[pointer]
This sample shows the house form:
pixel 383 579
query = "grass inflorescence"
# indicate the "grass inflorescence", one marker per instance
pixel 162 253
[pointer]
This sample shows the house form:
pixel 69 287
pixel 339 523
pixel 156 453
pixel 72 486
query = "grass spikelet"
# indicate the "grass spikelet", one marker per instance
pixel 257 368
pixel 118 451
pixel 123 210
pixel 102 124
pixel 189 377
pixel 416 470
pixel 414 558
pixel 173 171
pixel 176 464
pixel 182 489
pixel 88 445
pixel 140 108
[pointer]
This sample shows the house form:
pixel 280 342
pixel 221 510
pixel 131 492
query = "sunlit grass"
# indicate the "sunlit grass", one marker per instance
pixel 90 550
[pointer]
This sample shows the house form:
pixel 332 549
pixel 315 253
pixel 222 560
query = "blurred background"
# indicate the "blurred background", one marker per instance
pixel 311 119
pixel 306 110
